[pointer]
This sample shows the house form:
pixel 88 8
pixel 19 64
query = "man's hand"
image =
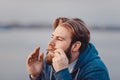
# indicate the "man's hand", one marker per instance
pixel 35 62
pixel 60 60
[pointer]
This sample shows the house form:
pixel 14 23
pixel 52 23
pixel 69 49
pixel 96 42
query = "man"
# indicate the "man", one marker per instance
pixel 70 55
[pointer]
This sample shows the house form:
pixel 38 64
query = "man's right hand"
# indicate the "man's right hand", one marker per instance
pixel 35 63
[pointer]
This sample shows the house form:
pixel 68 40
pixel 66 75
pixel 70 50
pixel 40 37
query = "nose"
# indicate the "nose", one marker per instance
pixel 52 44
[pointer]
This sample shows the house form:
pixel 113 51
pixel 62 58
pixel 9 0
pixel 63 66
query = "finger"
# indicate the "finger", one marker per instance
pixel 36 51
pixel 30 60
pixel 35 54
pixel 53 59
pixel 41 56
pixel 57 54
pixel 60 52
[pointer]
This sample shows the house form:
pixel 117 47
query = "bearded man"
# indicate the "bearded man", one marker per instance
pixel 70 55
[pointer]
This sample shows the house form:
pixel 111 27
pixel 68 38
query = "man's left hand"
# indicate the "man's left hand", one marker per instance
pixel 60 60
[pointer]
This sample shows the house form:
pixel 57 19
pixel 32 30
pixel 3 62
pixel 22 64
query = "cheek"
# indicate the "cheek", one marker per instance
pixel 63 45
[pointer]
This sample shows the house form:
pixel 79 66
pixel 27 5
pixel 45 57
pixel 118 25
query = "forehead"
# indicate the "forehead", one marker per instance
pixel 62 32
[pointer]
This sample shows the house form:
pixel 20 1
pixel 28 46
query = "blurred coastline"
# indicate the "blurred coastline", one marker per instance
pixel 44 25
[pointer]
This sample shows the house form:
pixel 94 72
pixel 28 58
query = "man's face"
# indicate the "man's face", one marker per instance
pixel 61 39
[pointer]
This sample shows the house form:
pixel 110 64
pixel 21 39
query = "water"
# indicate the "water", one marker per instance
pixel 15 45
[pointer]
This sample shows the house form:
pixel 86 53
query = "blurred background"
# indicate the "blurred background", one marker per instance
pixel 26 24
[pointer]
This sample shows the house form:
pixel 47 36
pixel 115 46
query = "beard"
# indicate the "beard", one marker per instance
pixel 68 52
pixel 49 56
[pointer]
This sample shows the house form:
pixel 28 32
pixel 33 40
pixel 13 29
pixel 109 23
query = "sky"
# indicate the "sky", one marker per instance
pixel 93 12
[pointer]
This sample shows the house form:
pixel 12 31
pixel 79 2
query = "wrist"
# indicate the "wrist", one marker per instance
pixel 31 77
pixel 60 68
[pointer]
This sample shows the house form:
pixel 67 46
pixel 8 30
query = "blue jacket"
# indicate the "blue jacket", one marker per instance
pixel 88 67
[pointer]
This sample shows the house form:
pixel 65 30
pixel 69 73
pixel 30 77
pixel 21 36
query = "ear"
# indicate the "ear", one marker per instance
pixel 76 46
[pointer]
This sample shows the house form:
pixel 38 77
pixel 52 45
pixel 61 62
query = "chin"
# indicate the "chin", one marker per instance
pixel 49 56
pixel 48 59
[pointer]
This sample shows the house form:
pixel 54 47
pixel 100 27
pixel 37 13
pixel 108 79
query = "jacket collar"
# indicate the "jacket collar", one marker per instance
pixel 87 55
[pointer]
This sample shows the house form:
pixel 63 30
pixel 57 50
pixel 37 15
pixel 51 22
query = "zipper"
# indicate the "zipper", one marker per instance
pixel 51 73
pixel 77 74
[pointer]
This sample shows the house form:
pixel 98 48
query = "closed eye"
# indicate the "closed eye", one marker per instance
pixel 57 37
pixel 60 38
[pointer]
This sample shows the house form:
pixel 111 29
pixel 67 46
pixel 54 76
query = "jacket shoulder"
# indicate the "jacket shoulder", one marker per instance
pixel 94 70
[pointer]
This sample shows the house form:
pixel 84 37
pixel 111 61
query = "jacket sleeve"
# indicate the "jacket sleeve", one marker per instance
pixel 39 77
pixel 95 74
pixel 63 75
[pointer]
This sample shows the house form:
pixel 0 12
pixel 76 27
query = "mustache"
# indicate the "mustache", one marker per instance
pixel 50 49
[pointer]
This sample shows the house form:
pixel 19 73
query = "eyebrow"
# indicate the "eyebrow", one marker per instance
pixel 58 36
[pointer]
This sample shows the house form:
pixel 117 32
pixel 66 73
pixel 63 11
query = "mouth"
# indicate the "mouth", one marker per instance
pixel 48 50
pixel 51 49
